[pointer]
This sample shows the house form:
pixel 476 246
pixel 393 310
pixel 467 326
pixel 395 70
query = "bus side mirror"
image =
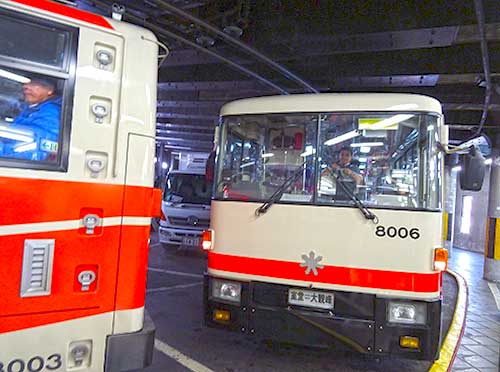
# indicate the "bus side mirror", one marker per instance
pixel 473 170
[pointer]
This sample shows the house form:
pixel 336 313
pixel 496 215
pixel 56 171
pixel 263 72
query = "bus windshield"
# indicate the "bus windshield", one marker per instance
pixel 187 188
pixel 388 160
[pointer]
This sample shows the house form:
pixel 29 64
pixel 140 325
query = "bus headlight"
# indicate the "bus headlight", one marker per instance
pixel 406 312
pixel 226 290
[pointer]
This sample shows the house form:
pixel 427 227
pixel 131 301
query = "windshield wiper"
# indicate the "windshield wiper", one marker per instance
pixel 279 191
pixel 369 215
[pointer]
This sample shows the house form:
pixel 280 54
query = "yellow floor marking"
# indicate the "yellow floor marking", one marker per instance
pixel 452 339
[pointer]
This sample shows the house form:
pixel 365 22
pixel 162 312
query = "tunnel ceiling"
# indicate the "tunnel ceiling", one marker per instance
pixel 422 46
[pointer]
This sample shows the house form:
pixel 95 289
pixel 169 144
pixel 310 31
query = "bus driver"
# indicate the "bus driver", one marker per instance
pixel 41 117
pixel 346 173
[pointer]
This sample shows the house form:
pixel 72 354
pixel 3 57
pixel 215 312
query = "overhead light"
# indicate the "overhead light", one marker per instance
pixel 342 137
pixel 11 76
pixel 309 151
pixel 164 165
pixel 233 31
pixel 267 155
pixel 363 160
pixel 365 149
pixel 205 41
pixel 247 164
pixel 488 161
pixel 25 147
pixel 16 135
pixel 367 144
pixel 457 168
pixel 375 124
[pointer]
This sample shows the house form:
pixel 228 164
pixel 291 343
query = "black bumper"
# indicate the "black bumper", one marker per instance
pixel 358 321
pixel 128 351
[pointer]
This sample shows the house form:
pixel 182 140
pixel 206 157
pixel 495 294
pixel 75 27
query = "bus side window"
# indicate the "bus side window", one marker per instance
pixel 35 106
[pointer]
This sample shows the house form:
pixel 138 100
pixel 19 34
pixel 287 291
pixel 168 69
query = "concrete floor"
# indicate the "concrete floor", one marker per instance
pixel 175 302
pixel 479 349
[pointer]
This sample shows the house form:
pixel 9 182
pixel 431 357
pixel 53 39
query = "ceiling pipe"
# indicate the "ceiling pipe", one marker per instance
pixel 172 35
pixel 478 4
pixel 290 75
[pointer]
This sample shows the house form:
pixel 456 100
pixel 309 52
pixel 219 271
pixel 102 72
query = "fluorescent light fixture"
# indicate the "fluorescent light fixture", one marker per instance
pixel 267 155
pixel 25 147
pixel 309 151
pixel 466 214
pixel 365 149
pixel 247 164
pixel 456 168
pixel 385 123
pixel 488 161
pixel 362 166
pixel 16 135
pixel 342 137
pixel 363 160
pixel 367 144
pixel 11 76
pixel 9 119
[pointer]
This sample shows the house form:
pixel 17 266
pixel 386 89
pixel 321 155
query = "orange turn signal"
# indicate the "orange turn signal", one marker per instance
pixel 221 315
pixel 409 342
pixel 440 259
pixel 207 240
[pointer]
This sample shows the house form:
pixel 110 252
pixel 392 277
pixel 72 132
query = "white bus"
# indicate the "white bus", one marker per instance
pixel 326 222
pixel 77 143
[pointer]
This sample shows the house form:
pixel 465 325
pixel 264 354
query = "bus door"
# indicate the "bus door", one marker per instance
pixel 60 201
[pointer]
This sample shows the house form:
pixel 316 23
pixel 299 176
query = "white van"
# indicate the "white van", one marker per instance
pixel 185 207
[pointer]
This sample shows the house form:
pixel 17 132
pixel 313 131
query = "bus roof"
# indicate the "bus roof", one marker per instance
pixel 331 102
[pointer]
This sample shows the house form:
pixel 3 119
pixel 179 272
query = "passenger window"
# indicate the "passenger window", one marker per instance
pixel 35 100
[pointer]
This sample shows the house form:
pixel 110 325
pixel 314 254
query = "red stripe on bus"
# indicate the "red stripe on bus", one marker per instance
pixel 27 200
pixel 119 253
pixel 348 276
pixel 67 12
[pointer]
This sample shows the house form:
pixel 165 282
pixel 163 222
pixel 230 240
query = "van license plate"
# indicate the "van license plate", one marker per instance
pixel 191 241
pixel 316 299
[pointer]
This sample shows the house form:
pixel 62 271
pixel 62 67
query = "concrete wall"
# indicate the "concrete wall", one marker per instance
pixel 474 241
pixel 450 193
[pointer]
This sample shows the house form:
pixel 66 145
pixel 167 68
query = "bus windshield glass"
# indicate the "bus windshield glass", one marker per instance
pixel 387 160
pixel 187 188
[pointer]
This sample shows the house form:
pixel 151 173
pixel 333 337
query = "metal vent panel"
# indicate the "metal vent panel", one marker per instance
pixel 38 259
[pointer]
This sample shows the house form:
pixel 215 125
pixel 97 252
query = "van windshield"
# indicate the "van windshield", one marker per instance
pixel 187 188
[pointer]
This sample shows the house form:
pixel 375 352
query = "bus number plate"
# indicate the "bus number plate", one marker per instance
pixel 316 299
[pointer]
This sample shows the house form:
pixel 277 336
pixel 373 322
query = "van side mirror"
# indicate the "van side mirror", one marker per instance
pixel 473 170
pixel 210 167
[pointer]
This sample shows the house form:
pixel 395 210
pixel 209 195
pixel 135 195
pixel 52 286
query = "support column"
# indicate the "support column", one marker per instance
pixel 492 244
pixel 450 194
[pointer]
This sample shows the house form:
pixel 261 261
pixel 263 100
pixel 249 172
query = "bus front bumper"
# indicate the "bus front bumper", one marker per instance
pixel 358 321
pixel 128 351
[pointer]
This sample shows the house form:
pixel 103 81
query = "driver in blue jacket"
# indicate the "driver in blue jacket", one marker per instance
pixel 40 118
